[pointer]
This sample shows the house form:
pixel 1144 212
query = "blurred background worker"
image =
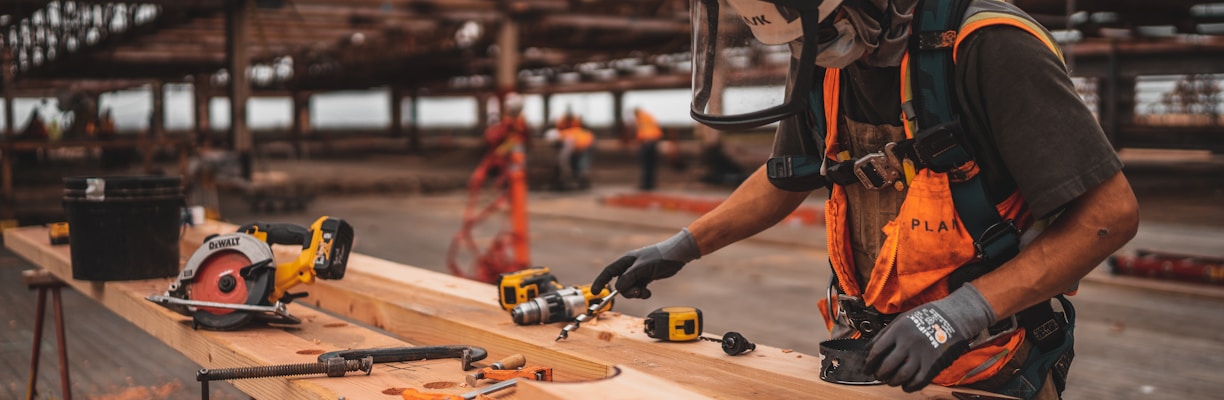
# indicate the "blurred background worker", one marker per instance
pixel 510 130
pixel 648 136
pixel 956 224
pixel 574 144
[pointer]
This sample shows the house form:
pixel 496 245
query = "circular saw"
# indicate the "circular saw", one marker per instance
pixel 233 278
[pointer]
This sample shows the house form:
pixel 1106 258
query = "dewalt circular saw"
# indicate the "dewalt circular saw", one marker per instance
pixel 233 278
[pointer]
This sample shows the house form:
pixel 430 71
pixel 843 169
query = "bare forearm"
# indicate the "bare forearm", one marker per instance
pixel 755 206
pixel 1093 227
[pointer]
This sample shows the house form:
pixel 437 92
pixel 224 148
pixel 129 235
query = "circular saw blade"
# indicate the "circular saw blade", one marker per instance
pixel 218 279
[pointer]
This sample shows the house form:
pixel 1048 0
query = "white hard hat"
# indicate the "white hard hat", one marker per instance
pixel 774 23
pixel 513 103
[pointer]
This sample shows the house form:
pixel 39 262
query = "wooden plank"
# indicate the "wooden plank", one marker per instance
pixel 267 345
pixel 258 345
pixel 644 386
pixel 429 307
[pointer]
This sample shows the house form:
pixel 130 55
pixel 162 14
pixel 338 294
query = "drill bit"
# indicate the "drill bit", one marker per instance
pixel 594 309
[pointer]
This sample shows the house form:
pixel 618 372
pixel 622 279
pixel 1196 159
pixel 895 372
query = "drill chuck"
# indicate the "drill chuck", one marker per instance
pixel 558 306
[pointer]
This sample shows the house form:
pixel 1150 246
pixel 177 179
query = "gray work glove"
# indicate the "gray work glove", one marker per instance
pixel 921 342
pixel 639 267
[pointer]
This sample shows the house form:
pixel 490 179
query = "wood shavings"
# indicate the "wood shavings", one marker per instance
pixel 335 324
pixel 441 385
pixel 606 336
pixel 787 351
pixel 310 351
pixel 395 391
pixel 316 341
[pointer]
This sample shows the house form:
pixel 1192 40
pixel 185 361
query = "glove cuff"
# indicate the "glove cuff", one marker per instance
pixel 680 247
pixel 967 306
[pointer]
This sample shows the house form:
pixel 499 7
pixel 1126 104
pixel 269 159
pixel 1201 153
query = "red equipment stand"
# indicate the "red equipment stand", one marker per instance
pixel 504 171
pixel 44 281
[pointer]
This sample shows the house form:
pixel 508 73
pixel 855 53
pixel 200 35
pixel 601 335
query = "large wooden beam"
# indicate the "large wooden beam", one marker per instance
pixel 237 28
pixel 258 345
pixel 252 346
pixel 10 93
pixel 423 306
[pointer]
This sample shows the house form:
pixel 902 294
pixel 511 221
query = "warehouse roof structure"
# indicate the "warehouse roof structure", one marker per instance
pixel 483 47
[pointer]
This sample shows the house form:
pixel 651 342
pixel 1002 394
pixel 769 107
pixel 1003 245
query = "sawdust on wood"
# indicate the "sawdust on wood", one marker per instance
pixel 606 336
pixel 440 385
pixel 142 392
pixel 335 324
pixel 395 391
pixel 310 352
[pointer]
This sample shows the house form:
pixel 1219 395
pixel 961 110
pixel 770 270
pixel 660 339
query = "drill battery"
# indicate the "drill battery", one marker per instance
pixel 57 233
pixel 674 324
pixel 523 285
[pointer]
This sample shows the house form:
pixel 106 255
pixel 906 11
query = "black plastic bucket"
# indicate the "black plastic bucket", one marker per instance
pixel 123 227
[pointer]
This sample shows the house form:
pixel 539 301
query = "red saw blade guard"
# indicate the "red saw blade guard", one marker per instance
pixel 218 279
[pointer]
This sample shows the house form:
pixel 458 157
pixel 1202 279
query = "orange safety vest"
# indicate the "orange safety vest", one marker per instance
pixel 926 241
pixel 647 128
pixel 581 138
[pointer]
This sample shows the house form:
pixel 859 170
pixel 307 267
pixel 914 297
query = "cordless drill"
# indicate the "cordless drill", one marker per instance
pixel 523 285
pixel 557 306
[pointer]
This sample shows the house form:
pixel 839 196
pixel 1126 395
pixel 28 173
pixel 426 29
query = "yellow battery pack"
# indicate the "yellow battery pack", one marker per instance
pixel 58 232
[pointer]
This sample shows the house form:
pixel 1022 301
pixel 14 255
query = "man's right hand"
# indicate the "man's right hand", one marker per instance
pixel 637 268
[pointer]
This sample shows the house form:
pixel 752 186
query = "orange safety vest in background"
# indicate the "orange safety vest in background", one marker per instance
pixel 926 241
pixel 581 137
pixel 647 128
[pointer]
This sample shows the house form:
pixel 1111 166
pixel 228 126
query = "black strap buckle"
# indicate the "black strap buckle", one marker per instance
pixel 874 171
pixel 998 240
pixel 939 148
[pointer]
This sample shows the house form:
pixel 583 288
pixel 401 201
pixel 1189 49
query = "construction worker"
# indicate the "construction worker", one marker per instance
pixel 510 130
pixel 575 154
pixel 648 136
pixel 573 144
pixel 956 219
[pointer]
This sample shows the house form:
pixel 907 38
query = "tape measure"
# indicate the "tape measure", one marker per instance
pixel 674 324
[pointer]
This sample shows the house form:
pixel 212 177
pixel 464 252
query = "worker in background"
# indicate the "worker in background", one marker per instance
pixel 106 125
pixel 574 155
pixel 910 189
pixel 574 147
pixel 510 130
pixel 648 136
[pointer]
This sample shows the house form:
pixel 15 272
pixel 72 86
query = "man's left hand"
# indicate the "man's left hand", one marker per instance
pixel 921 342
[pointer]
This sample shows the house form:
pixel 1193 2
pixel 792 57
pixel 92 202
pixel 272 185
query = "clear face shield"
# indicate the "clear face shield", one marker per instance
pixel 753 61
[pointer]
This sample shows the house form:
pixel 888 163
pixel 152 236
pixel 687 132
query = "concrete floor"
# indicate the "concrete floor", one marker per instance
pixel 1133 341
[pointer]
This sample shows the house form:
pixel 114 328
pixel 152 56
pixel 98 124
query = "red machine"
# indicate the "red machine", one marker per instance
pixel 1170 266
pixel 503 170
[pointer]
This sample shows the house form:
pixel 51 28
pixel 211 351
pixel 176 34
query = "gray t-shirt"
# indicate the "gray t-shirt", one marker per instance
pixel 1028 128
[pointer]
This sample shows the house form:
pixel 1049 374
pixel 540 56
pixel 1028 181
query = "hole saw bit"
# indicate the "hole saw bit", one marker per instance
pixel 591 311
